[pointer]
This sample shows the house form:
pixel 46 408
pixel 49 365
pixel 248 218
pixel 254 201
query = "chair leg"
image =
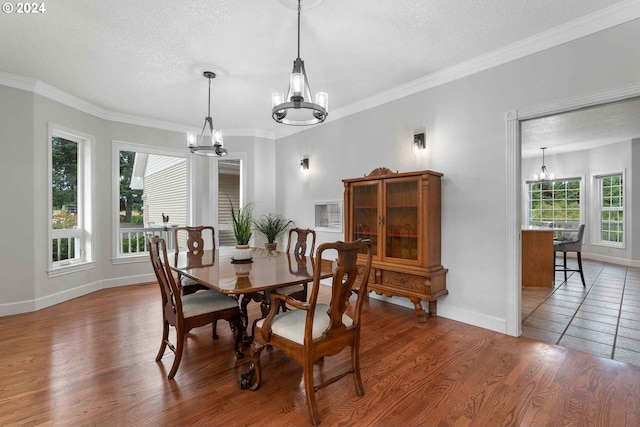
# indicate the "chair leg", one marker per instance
pixel 165 337
pixel 310 392
pixel 180 333
pixel 214 326
pixel 580 268
pixel 355 363
pixel 255 370
pixel 564 255
pixel 555 254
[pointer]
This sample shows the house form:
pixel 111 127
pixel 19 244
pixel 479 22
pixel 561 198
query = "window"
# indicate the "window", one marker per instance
pixel 328 216
pixel 152 197
pixel 554 201
pixel 611 209
pixel 229 188
pixel 69 199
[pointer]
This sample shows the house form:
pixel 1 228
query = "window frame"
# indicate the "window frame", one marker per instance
pixel 214 188
pixel 527 196
pixel 337 227
pixel 598 209
pixel 116 147
pixel 85 204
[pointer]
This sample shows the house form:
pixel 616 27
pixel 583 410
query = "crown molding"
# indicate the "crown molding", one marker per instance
pixel 616 14
pixel 17 82
pixel 43 89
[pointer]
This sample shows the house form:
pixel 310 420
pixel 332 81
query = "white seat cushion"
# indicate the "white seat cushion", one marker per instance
pixel 187 281
pixel 290 324
pixel 206 302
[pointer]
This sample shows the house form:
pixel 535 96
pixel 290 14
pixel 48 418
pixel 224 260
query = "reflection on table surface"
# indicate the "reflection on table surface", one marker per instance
pixel 267 270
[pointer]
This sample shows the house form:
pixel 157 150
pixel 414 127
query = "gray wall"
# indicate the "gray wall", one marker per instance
pixel 633 200
pixel 24 119
pixel 586 164
pixel 466 133
pixel 17 250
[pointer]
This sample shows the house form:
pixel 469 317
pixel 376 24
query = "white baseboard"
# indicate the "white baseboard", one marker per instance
pixel 18 307
pixel 473 318
pixel 454 313
pixel 66 295
pixel 128 280
pixel 610 259
pixel 29 306
pixel 48 300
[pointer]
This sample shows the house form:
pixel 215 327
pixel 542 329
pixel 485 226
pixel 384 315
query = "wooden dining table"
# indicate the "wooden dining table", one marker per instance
pixel 252 280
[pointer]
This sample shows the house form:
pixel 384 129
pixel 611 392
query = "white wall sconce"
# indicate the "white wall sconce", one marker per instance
pixel 304 164
pixel 419 142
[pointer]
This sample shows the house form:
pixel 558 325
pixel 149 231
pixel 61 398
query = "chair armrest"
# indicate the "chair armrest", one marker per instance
pixel 273 309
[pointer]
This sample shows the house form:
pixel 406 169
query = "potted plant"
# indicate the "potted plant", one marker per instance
pixel 241 223
pixel 272 226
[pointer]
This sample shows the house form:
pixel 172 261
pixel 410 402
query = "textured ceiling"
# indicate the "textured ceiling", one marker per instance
pixel 582 129
pixel 138 57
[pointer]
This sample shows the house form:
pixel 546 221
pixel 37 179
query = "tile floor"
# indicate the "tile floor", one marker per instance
pixel 602 318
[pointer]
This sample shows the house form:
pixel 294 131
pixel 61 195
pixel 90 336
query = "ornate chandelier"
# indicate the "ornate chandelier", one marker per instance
pixel 210 143
pixel 298 109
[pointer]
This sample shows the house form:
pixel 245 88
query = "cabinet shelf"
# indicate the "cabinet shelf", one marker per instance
pixel 365 233
pixel 366 207
pixel 408 236
pixel 402 207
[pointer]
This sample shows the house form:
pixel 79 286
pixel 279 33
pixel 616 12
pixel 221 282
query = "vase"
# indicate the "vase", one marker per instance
pixel 242 252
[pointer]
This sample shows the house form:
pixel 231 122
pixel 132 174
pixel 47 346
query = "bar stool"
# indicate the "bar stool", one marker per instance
pixel 570 241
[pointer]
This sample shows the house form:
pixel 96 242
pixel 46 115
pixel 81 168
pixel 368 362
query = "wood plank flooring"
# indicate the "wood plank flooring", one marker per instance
pixel 90 362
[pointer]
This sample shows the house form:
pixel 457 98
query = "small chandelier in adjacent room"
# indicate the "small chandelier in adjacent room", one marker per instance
pixel 544 174
pixel 298 109
pixel 210 142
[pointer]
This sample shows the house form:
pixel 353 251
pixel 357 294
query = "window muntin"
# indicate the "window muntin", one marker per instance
pixel 70 200
pixel 557 201
pixel 611 209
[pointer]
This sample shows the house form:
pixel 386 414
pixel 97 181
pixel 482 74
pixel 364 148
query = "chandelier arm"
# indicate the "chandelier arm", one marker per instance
pixel 204 126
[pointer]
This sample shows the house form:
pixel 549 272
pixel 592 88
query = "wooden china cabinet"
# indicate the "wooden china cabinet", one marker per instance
pixel 400 214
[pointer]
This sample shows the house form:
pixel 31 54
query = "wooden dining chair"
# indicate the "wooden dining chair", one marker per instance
pixel 302 237
pixel 194 243
pixel 185 312
pixel 315 330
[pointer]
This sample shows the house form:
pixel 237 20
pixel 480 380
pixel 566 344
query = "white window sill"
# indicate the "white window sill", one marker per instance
pixel 130 259
pixel 72 267
pixel 609 245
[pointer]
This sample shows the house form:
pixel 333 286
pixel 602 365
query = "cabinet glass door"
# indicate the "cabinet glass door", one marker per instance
pixel 401 219
pixel 365 214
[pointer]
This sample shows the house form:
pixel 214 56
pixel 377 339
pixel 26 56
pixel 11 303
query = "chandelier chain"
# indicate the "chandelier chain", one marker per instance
pixel 298 28
pixel 209 105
